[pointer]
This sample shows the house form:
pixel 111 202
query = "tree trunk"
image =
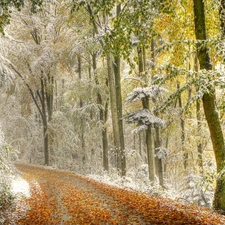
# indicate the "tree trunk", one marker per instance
pixel 115 96
pixel 49 93
pixel 114 113
pixel 140 61
pixel 121 153
pixel 209 106
pixel 158 161
pixel 150 151
pixel 49 87
pixel 140 143
pixel 157 143
pixel 153 54
pixel 199 144
pixel 105 140
pixel 81 119
pixel 199 126
pixel 182 124
pixel 45 124
pixel 103 116
pixel 150 154
pixel 140 70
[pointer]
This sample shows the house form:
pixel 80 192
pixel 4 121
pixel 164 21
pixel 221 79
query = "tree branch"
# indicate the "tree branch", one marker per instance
pixel 28 87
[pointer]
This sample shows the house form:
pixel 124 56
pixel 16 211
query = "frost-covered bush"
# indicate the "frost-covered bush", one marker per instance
pixel 6 155
pixel 6 169
pixel 198 190
pixel 6 197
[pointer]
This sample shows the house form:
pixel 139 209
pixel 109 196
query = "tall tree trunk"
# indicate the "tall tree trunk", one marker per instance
pixel 140 143
pixel 114 112
pixel 140 70
pixel 153 53
pixel 150 154
pixel 140 61
pixel 158 161
pixel 115 96
pixel 157 143
pixel 209 106
pixel 199 126
pixel 121 153
pixel 103 116
pixel 45 124
pixel 121 150
pixel 149 144
pixel 81 119
pixel 182 124
pixel 105 140
pixel 199 144
pixel 49 93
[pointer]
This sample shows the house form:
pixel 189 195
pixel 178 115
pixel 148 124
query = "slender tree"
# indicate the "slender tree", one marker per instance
pixel 113 65
pixel 209 105
pixel 103 115
pixel 146 120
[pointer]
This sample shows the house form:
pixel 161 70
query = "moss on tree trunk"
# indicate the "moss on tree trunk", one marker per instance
pixel 209 105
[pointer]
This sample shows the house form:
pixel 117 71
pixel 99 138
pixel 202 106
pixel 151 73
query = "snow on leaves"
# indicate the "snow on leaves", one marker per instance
pixel 137 94
pixel 145 117
pixel 161 152
pixel 66 198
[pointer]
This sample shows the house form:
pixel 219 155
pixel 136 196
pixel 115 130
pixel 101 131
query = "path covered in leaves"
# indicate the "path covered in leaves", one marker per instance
pixel 59 197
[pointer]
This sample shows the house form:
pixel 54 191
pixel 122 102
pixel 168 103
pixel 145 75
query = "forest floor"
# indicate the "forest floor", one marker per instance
pixel 60 197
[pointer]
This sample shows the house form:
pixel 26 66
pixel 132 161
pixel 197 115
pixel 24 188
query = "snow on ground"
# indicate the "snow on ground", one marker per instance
pixel 20 186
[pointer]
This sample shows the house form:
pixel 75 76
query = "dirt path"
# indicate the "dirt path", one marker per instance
pixel 63 198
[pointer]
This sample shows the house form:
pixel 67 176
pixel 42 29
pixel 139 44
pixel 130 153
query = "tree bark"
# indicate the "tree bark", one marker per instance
pixel 45 124
pixel 114 113
pixel 158 161
pixel 199 126
pixel 209 106
pixel 79 62
pixel 149 144
pixel 105 140
pixel 199 144
pixel 103 116
pixel 121 152
pixel 157 143
pixel 150 154
pixel 182 124
pixel 49 87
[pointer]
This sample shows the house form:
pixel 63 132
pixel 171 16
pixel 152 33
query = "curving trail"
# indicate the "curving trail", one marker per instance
pixel 64 198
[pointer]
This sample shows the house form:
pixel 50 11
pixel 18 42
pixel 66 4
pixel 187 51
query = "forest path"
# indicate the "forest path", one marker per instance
pixel 61 198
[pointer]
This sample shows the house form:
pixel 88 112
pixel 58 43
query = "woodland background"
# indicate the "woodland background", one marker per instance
pixel 112 89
